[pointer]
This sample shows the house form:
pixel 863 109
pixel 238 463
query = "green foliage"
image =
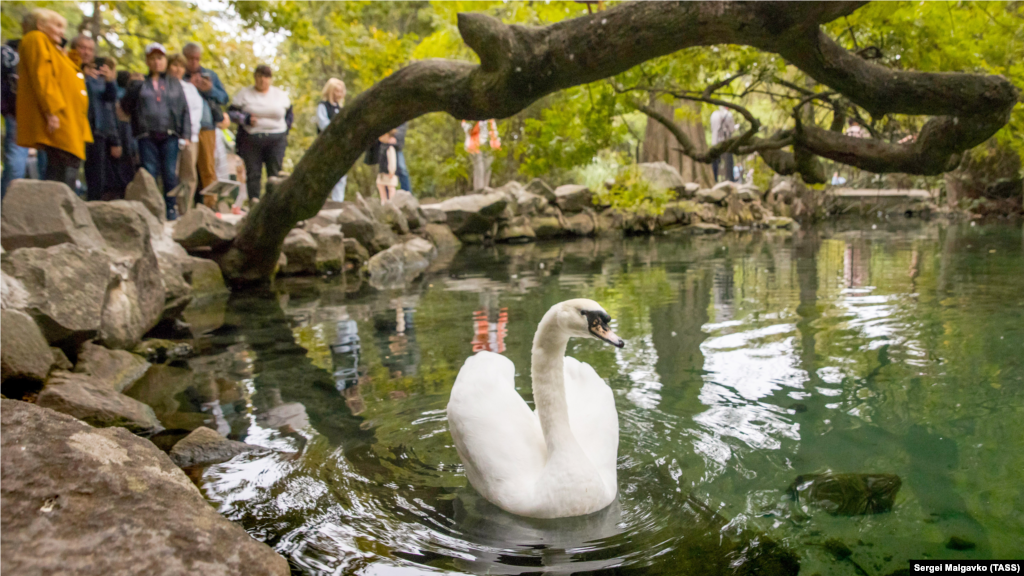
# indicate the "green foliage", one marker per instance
pixel 975 37
pixel 571 129
pixel 568 135
pixel 634 194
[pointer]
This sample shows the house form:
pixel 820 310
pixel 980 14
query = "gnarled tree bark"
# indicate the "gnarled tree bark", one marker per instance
pixel 519 65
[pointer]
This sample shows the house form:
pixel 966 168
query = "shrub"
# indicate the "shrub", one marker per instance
pixel 633 194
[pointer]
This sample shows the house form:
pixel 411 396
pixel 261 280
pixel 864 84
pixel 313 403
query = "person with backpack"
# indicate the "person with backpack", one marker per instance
pixel 15 157
pixel 387 177
pixel 333 99
pixel 723 125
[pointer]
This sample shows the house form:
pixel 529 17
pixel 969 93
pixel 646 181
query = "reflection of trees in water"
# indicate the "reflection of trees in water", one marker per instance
pixel 365 481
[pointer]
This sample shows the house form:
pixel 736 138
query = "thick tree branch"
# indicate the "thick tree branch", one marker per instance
pixel 520 65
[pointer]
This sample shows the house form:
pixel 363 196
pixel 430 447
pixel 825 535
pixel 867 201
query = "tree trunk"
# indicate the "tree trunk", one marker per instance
pixel 519 65
pixel 661 146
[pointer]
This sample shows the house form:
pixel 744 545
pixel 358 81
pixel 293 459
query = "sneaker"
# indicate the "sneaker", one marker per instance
pixel 172 209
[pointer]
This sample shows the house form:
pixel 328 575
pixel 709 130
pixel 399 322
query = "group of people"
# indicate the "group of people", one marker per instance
pixel 65 105
pixel 69 106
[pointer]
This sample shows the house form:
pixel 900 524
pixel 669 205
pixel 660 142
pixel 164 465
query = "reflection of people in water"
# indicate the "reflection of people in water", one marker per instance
pixel 396 338
pixel 489 335
pixel 345 354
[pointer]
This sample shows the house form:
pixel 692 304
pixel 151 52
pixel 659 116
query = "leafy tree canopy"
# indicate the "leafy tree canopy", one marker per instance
pixel 567 133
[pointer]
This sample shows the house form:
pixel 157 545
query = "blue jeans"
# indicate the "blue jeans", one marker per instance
pixel 403 173
pixel 160 158
pixel 15 156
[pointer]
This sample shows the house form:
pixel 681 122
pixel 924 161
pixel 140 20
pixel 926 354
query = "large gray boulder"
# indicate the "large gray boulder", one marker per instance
pixel 204 277
pixel 24 353
pixel 573 197
pixel 12 293
pixel 422 247
pixel 711 196
pixel 136 302
pixel 79 501
pixel 410 208
pixel 663 176
pixel 325 217
pixel 300 249
pixel 40 214
pixel 516 229
pixel 474 213
pixel 748 192
pixel 66 287
pixel 330 248
pixel 394 267
pixel 434 214
pixel 393 217
pixel 96 403
pixel 143 189
pixel 373 234
pixel 542 189
pixel 528 203
pixel 204 446
pixel 172 259
pixel 442 237
pixel 201 229
pixel 582 223
pixel 355 254
pixel 118 369
pixel 547 226
pixel 371 206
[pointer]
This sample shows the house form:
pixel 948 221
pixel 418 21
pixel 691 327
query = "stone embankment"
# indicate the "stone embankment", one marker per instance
pixel 89 288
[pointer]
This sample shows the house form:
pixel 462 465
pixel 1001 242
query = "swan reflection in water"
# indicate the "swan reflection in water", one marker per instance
pixel 510 544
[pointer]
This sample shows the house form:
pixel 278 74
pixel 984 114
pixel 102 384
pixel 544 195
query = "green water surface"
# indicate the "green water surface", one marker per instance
pixel 750 358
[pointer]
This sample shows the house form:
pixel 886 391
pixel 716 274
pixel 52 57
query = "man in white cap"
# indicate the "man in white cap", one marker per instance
pixel 160 122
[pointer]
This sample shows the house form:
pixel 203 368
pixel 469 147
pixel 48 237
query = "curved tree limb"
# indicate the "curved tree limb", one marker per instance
pixel 519 65
pixel 970 108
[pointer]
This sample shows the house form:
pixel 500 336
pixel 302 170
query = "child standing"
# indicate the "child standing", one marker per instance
pixel 387 178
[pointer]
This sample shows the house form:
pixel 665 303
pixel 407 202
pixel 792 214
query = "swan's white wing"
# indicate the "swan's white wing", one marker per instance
pixel 497 435
pixel 592 417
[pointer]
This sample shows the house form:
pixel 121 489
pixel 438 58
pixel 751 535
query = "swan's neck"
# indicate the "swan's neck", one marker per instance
pixel 549 345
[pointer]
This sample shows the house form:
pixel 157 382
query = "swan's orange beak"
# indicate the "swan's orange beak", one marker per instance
pixel 597 323
pixel 604 333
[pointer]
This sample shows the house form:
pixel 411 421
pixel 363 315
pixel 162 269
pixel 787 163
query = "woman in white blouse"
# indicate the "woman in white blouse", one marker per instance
pixel 333 99
pixel 264 114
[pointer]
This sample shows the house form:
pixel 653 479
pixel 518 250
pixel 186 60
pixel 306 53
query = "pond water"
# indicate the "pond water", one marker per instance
pixel 750 358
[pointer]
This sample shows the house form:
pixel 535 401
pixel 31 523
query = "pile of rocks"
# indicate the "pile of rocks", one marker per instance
pixel 83 284
pixel 515 212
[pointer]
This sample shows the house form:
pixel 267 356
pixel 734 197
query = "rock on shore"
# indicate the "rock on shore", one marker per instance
pixel 80 501
pixel 206 446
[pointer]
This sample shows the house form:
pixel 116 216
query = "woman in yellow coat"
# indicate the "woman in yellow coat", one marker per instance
pixel 52 105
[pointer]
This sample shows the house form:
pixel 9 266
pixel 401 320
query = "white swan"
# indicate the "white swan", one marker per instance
pixel 560 460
